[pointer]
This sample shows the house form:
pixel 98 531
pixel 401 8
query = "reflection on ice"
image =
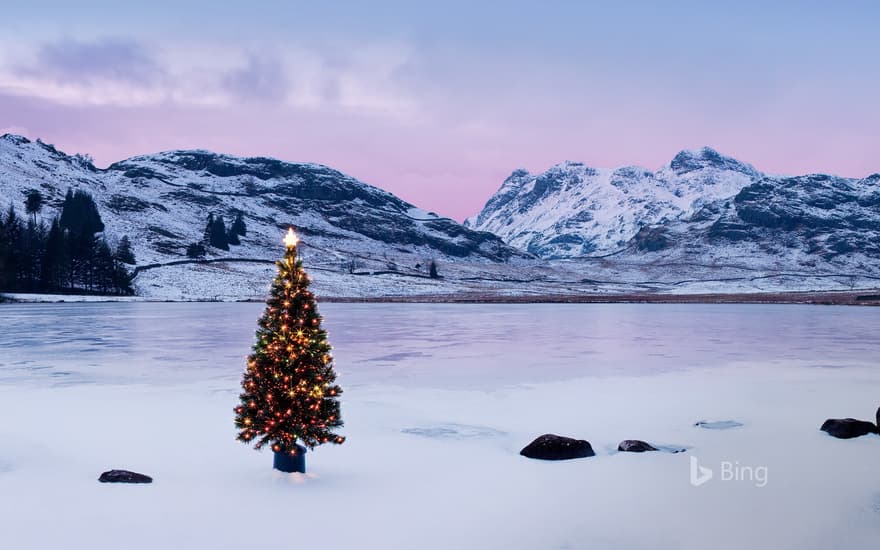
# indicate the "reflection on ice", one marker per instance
pixel 439 345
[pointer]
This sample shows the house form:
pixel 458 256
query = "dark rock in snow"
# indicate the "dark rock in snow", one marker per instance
pixel 878 418
pixel 848 428
pixel 718 425
pixel 651 238
pixel 557 447
pixel 124 476
pixel 635 446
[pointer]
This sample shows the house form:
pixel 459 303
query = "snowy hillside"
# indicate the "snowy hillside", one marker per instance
pixel 704 223
pixel 162 202
pixel 574 210
pixel 784 228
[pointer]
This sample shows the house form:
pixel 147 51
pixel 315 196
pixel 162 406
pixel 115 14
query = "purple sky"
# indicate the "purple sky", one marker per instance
pixel 438 104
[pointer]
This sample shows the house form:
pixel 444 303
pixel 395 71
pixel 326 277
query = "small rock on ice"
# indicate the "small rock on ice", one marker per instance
pixel 124 476
pixel 635 446
pixel 557 447
pixel 847 428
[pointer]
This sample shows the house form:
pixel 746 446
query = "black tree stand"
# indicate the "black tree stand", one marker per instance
pixel 287 462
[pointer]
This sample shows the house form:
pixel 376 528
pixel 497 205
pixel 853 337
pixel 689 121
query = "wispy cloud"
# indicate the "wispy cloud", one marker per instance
pixel 262 78
pixel 71 61
pixel 127 73
pixel 108 71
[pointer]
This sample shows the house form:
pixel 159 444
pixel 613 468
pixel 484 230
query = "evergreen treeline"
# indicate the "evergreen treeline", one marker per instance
pixel 218 236
pixel 66 256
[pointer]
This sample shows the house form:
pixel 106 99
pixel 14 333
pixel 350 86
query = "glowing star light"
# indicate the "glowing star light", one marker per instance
pixel 290 239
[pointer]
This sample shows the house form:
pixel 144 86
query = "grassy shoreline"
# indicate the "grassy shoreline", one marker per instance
pixel 865 297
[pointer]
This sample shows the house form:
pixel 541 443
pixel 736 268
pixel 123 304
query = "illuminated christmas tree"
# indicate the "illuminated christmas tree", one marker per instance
pixel 289 395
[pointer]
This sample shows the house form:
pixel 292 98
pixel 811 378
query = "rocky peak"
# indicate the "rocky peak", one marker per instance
pixel 15 139
pixel 706 157
pixel 517 175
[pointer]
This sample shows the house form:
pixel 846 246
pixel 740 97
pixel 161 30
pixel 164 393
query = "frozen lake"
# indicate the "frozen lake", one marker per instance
pixel 446 345
pixel 439 399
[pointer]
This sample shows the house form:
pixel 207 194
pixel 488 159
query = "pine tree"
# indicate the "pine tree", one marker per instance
pixel 121 279
pixel 79 214
pixel 238 226
pixel 6 259
pixel 218 234
pixel 209 228
pixel 289 394
pixel 232 237
pixel 104 268
pixel 123 251
pixel 34 203
pixel 11 262
pixel 55 261
pixel 30 255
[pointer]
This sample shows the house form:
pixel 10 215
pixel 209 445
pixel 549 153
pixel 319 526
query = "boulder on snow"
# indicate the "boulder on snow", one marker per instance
pixel 718 424
pixel 848 428
pixel 635 446
pixel 124 476
pixel 557 447
pixel 878 418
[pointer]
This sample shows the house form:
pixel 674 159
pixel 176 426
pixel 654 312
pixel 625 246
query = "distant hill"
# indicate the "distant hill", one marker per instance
pixel 162 203
pixel 703 223
pixel 702 207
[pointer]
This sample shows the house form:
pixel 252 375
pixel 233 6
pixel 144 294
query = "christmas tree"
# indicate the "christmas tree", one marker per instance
pixel 289 395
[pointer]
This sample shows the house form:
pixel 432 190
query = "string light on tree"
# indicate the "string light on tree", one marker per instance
pixel 289 398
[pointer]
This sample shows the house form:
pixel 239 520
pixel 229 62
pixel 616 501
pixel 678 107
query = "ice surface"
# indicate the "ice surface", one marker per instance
pixel 718 424
pixel 435 426
pixel 454 431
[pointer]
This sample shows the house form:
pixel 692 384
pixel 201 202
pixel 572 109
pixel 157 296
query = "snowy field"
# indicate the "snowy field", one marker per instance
pixel 439 399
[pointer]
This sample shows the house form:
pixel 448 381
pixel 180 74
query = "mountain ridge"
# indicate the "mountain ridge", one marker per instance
pixel 572 210
pixel 162 201
pixel 702 223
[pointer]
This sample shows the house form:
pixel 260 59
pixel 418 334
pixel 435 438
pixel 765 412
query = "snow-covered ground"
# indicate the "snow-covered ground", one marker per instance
pixel 250 281
pixel 439 399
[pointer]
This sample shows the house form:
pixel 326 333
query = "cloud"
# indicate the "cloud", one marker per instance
pixel 107 71
pixel 262 78
pixel 340 79
pixel 110 59
pixel 367 79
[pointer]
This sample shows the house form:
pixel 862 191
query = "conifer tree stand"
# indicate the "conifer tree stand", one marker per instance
pixel 289 398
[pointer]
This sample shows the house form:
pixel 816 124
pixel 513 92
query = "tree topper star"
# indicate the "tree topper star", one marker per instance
pixel 290 239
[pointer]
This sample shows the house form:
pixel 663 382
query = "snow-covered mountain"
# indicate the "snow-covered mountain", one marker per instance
pixel 573 210
pixel 703 223
pixel 162 202
pixel 701 207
